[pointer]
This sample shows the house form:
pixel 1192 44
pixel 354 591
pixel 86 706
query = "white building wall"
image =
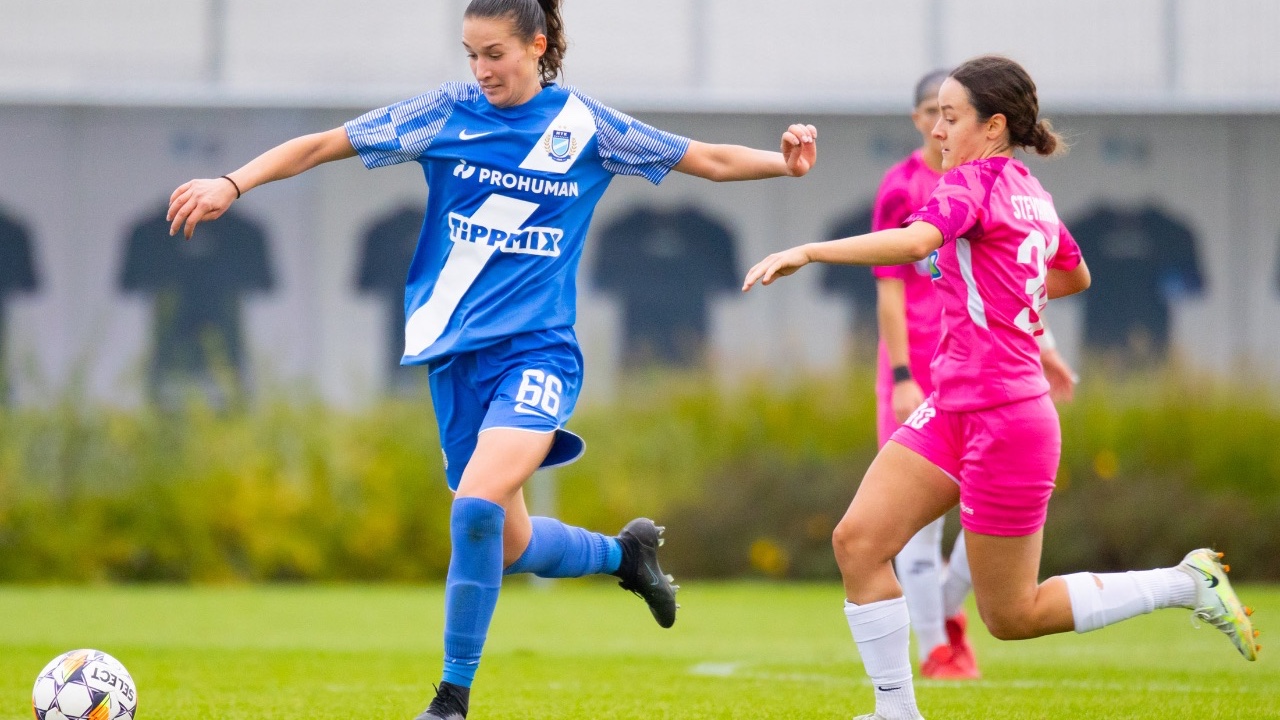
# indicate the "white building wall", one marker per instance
pixel 105 106
pixel 78 45
pixel 89 173
pixel 676 54
pixel 1228 51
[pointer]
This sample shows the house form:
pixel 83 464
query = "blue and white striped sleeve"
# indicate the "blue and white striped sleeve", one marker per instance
pixel 402 132
pixel 630 147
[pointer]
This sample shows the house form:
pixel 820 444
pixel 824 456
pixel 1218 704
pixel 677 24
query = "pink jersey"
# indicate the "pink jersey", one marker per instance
pixel 906 187
pixel 1000 234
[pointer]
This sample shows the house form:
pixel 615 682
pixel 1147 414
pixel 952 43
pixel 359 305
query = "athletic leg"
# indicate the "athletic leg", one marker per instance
pixel 955 588
pixel 919 568
pixel 1011 601
pixel 1014 607
pixel 956 583
pixel 504 459
pixel 548 548
pixel 536 390
pixel 900 494
pixel 1008 465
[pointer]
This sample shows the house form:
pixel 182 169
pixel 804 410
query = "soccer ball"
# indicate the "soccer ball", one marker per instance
pixel 84 685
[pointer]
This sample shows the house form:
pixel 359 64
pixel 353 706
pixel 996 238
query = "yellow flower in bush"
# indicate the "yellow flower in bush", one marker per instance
pixel 1106 464
pixel 769 558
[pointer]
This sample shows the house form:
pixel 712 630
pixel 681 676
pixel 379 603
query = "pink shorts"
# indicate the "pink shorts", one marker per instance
pixel 1004 459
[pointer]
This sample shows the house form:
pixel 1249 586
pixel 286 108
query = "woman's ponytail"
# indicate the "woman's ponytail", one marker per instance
pixel 553 59
pixel 1044 140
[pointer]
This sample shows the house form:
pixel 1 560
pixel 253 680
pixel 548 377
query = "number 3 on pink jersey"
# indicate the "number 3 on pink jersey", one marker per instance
pixel 1035 251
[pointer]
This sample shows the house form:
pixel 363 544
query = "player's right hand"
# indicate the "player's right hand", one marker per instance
pixel 907 396
pixel 776 265
pixel 196 201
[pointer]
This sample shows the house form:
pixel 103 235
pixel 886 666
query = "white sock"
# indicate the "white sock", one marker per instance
pixel 880 630
pixel 956 581
pixel 1102 599
pixel 919 567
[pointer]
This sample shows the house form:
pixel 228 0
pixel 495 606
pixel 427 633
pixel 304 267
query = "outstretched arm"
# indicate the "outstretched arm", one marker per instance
pixel 207 199
pixel 735 162
pixel 896 246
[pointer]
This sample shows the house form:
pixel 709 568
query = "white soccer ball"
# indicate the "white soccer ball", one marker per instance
pixel 84 685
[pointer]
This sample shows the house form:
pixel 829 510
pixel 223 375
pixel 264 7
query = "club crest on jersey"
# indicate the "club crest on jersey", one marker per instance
pixel 931 266
pixel 560 145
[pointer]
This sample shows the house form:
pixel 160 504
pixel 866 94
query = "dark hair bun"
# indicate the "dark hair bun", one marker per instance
pixel 1045 141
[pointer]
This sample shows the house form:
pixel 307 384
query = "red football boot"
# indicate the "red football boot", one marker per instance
pixel 942 665
pixel 962 655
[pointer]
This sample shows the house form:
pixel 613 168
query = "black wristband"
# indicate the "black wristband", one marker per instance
pixel 901 373
pixel 233 184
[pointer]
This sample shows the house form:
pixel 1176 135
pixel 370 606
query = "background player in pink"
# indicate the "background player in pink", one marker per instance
pixel 910 323
pixel 987 439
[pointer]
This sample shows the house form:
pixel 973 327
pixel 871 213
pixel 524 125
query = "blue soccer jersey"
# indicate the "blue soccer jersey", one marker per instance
pixel 512 191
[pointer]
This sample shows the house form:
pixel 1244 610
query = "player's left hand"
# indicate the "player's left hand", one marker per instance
pixel 1062 379
pixel 775 266
pixel 800 149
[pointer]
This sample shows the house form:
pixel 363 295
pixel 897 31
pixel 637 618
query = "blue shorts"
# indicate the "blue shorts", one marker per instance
pixel 526 382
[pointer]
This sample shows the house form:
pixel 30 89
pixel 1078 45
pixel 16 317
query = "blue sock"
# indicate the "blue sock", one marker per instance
pixel 471 590
pixel 557 550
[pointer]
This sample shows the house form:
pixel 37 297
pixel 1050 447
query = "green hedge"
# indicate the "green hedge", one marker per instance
pixel 749 481
pixel 278 492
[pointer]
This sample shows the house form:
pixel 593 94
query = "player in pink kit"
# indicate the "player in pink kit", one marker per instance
pixel 910 320
pixel 909 315
pixel 987 439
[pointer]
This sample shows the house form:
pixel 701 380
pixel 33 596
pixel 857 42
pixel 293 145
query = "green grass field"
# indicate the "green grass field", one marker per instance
pixel 588 650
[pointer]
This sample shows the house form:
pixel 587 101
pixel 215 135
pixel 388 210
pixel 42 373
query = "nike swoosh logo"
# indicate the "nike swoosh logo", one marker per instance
pixel 1213 581
pixel 654 579
pixel 526 410
pixel 882 688
pixel 464 135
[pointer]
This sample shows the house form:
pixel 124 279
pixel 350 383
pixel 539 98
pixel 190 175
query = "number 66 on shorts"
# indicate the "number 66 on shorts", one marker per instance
pixel 527 382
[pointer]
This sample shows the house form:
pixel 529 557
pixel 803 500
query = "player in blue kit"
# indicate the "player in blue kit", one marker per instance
pixel 516 165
